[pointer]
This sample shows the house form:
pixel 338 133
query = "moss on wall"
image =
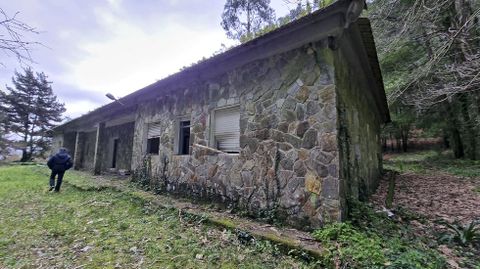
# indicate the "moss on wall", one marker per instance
pixel 358 129
pixel 287 167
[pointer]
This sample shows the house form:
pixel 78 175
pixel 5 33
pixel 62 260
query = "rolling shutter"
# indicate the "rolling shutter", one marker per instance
pixel 227 129
pixel 153 130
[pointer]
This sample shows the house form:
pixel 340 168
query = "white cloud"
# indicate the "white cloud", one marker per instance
pixel 118 46
pixel 133 58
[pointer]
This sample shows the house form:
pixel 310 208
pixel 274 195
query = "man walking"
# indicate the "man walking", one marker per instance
pixel 59 163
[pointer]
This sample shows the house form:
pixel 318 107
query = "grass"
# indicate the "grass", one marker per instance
pixel 92 226
pixel 107 229
pixel 372 240
pixel 424 162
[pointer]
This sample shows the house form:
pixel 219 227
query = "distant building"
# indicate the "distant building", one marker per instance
pixel 287 124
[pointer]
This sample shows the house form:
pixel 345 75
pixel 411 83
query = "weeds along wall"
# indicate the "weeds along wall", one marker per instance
pixel 287 167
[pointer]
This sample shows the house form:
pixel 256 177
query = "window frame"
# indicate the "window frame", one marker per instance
pixel 149 145
pixel 212 140
pixel 151 139
pixel 180 146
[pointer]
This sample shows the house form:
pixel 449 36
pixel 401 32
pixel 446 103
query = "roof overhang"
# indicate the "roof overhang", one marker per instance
pixel 321 24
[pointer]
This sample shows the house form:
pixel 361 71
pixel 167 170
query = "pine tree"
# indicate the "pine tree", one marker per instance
pixel 31 109
pixel 242 19
pixel 3 132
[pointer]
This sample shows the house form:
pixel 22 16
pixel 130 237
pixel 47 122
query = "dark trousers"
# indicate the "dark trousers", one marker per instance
pixel 59 179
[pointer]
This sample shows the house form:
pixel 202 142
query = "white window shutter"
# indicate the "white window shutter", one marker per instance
pixel 227 129
pixel 153 130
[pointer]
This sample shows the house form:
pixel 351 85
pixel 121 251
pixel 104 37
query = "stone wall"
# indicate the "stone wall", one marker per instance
pixel 359 121
pixel 288 165
pixel 124 134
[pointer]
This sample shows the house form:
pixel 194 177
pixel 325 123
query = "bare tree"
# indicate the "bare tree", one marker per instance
pixel 12 37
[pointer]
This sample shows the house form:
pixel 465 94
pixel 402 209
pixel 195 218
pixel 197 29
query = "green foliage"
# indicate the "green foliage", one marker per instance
pixel 235 17
pixel 372 240
pixel 242 19
pixel 429 54
pixel 31 109
pixel 463 235
pixel 143 174
pixel 425 161
pixel 402 121
pixel 353 248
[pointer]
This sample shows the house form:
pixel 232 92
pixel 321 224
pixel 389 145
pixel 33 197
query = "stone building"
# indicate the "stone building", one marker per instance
pixel 286 125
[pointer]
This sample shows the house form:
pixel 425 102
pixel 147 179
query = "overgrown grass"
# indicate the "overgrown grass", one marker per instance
pixel 107 229
pixel 372 240
pixel 425 162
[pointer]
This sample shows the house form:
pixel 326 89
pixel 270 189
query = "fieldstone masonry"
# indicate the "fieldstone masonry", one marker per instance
pixel 311 102
pixel 288 162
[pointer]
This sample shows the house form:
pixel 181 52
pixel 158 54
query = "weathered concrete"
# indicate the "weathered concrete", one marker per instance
pixel 124 134
pixel 79 141
pixel 359 121
pixel 69 142
pixel 88 151
pixel 99 148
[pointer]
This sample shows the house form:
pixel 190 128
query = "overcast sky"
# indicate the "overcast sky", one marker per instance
pixel 92 47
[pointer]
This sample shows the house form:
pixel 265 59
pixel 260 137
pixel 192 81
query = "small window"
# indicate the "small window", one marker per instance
pixel 226 129
pixel 184 138
pixel 153 138
pixel 153 145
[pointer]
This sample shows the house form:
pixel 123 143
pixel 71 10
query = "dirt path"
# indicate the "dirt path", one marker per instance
pixel 434 198
pixel 437 197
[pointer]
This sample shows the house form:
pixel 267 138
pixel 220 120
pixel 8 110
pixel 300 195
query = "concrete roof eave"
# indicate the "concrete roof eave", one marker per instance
pixel 321 24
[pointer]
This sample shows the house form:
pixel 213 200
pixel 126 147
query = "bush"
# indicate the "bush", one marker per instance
pixel 352 248
pixel 463 235
pixel 372 240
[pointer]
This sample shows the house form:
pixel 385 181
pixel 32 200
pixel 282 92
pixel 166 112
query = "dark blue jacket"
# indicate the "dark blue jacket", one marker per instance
pixel 60 162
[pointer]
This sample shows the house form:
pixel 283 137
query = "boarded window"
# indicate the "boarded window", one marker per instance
pixel 153 138
pixel 226 129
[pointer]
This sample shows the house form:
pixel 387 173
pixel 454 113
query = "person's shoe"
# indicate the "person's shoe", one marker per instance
pixel 51 188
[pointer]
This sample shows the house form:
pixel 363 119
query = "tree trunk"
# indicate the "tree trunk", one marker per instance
pixel 404 137
pixel 461 14
pixel 456 139
pixel 446 141
pixel 469 129
pixel 25 154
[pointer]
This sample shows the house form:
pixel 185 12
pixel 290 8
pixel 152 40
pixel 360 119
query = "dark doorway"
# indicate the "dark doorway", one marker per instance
pixel 115 149
pixel 184 141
